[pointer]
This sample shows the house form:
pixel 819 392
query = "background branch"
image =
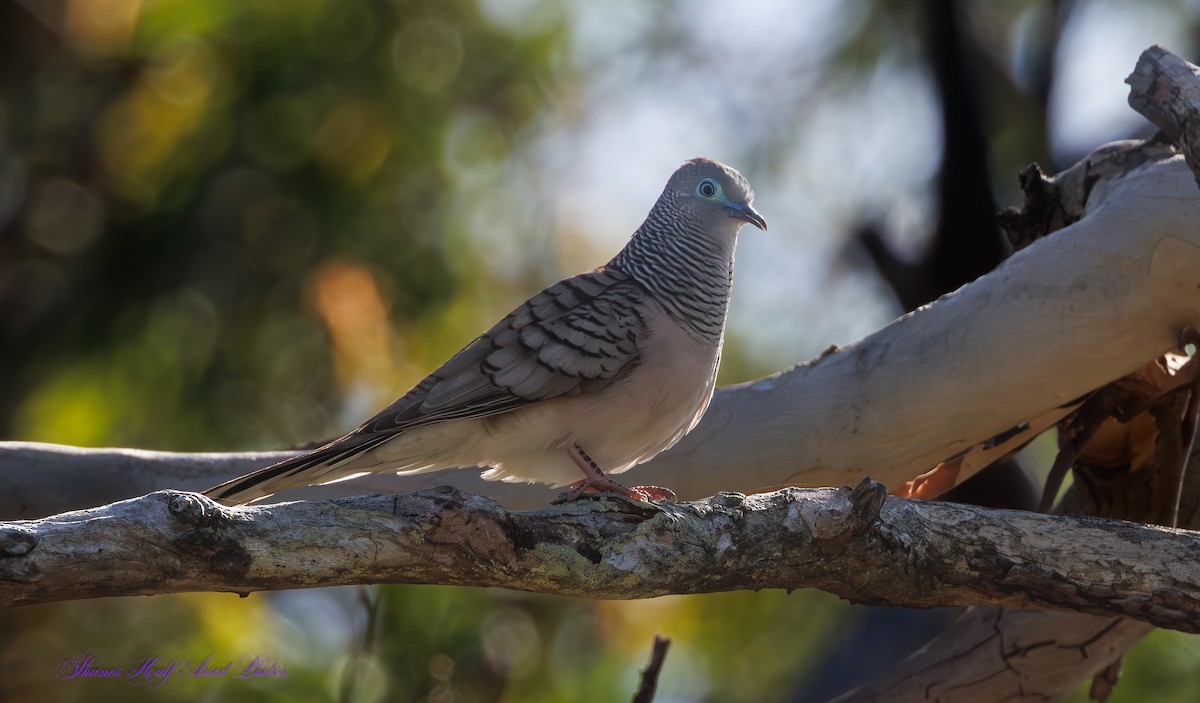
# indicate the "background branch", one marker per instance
pixel 1015 349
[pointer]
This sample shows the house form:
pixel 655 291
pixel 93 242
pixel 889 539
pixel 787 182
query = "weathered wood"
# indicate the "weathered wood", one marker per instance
pixel 1000 654
pixel 855 543
pixel 1165 89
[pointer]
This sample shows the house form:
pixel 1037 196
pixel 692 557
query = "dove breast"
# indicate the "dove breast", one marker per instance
pixel 627 423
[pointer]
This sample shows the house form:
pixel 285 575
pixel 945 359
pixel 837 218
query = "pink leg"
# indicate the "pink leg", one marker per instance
pixel 595 481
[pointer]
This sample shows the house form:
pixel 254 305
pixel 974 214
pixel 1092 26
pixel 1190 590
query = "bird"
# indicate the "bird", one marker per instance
pixel 595 374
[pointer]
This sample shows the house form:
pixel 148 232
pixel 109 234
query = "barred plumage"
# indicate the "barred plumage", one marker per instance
pixel 606 368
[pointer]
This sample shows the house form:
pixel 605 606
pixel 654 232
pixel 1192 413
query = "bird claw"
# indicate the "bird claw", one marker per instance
pixel 655 494
pixel 594 482
pixel 588 486
pixel 597 485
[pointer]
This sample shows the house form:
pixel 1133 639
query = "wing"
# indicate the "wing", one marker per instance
pixel 577 336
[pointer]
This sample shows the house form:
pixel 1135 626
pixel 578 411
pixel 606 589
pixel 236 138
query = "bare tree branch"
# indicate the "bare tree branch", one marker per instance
pixel 854 543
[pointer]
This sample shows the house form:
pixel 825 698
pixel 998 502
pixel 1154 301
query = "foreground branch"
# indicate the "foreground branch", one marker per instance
pixel 856 544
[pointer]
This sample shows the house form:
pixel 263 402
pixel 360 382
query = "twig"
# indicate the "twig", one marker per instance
pixel 649 685
pixel 1080 430
pixel 1105 681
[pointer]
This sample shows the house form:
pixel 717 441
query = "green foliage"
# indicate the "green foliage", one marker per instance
pixel 417 643
pixel 205 165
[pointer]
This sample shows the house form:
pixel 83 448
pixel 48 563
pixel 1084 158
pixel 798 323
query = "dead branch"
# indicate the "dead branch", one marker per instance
pixel 854 543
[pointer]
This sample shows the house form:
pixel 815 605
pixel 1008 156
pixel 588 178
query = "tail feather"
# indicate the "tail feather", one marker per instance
pixel 323 465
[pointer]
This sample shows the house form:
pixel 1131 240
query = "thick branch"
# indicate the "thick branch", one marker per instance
pixel 994 655
pixel 856 544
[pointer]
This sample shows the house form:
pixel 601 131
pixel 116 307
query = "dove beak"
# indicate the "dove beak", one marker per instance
pixel 744 212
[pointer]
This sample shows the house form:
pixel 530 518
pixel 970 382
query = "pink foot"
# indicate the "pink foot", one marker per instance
pixel 595 481
pixel 654 494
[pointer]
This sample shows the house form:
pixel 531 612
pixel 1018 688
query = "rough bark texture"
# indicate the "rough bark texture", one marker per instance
pixel 855 543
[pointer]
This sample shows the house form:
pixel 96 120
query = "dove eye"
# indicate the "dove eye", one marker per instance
pixel 708 188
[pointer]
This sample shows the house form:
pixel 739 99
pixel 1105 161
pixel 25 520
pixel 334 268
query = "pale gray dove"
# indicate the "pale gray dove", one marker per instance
pixel 603 370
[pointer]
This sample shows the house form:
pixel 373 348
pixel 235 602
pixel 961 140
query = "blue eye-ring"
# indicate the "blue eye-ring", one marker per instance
pixel 708 188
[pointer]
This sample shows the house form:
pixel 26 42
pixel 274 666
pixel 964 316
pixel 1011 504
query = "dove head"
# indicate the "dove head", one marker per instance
pixel 712 194
pixel 683 253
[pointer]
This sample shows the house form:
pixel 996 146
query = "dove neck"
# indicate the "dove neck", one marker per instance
pixel 688 271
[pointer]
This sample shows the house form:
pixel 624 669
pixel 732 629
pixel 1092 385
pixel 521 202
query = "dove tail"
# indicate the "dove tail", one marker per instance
pixel 318 466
